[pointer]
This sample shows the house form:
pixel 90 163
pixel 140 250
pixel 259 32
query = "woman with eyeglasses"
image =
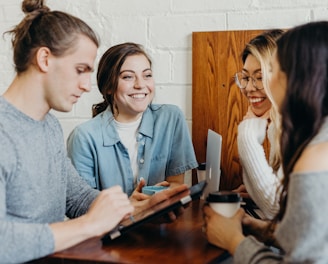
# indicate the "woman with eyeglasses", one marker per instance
pixel 261 177
pixel 299 86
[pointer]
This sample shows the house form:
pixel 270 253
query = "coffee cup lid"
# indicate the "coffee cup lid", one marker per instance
pixel 201 166
pixel 223 197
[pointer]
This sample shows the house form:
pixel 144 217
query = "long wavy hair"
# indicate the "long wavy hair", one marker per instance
pixel 262 48
pixel 302 53
pixel 109 71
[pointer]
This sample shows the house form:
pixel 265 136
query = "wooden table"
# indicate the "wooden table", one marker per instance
pixel 179 242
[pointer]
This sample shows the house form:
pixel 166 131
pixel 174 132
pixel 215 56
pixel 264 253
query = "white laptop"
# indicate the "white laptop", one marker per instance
pixel 213 162
pixel 213 170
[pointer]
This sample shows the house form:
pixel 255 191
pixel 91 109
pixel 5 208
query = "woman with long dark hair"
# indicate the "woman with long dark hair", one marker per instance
pixel 299 87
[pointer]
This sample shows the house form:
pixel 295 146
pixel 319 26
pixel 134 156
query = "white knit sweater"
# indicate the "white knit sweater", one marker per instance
pixel 260 180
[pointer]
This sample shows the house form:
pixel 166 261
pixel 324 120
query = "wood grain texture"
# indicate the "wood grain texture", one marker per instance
pixel 179 242
pixel 217 102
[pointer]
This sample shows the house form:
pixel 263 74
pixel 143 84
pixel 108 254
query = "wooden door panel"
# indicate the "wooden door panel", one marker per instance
pixel 217 102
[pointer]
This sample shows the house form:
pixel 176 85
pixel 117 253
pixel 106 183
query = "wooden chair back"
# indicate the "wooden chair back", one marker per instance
pixel 217 102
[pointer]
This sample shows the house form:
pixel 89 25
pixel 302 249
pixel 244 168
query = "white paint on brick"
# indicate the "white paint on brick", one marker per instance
pixel 182 67
pixel 165 29
pixel 209 6
pixel 161 65
pixel 257 19
pixel 175 31
pixel 177 95
pixel 320 13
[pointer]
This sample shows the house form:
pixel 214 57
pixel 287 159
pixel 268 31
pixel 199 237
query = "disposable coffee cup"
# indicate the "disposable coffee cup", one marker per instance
pixel 201 172
pixel 224 202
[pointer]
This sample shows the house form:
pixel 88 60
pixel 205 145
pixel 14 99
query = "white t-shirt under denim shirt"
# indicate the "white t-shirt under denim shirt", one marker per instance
pixel 164 149
pixel 128 135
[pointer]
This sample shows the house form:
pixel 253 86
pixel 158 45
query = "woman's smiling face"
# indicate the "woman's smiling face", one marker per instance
pixel 135 89
pixel 259 102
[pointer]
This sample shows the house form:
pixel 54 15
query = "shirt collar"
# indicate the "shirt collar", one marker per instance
pixel 109 133
pixel 147 123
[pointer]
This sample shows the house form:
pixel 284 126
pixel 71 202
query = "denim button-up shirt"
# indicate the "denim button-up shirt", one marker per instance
pixel 164 149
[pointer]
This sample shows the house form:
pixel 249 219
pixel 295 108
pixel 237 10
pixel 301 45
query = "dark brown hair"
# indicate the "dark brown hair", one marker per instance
pixel 44 28
pixel 109 70
pixel 302 53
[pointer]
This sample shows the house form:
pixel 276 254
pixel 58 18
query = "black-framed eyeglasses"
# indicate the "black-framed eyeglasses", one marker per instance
pixel 242 80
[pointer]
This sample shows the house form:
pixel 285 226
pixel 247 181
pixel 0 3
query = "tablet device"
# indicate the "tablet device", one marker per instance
pixel 156 210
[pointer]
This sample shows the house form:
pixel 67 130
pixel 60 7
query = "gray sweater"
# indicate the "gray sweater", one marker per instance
pixel 38 185
pixel 303 232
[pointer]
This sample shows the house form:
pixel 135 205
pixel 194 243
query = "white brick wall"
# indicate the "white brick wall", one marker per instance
pixel 164 28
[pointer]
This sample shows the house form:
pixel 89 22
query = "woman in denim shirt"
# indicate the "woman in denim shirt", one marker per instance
pixel 130 139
